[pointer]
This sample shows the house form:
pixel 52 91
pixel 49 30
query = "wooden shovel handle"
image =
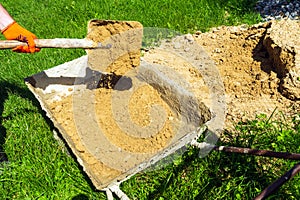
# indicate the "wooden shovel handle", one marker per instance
pixel 55 43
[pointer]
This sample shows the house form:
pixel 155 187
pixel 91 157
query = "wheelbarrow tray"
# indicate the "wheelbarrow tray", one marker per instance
pixel 103 162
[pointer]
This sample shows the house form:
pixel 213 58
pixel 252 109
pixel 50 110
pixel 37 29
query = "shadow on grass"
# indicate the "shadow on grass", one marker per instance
pixel 80 197
pixel 224 175
pixel 5 89
pixel 241 6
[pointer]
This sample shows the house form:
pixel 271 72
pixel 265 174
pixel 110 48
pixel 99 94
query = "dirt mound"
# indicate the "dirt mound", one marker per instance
pixel 259 66
pixel 283 45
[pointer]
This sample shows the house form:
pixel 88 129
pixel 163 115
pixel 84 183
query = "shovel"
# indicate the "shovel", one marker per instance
pixel 93 78
pixel 105 42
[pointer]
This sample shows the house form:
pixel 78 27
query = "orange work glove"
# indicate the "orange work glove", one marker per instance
pixel 16 32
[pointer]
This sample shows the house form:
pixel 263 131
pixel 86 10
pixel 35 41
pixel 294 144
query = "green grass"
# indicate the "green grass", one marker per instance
pixel 225 175
pixel 40 168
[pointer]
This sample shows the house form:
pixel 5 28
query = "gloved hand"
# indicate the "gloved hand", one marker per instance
pixel 16 32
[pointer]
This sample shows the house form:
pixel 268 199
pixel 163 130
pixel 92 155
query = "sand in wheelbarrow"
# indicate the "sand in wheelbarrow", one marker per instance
pixel 111 131
pixel 121 133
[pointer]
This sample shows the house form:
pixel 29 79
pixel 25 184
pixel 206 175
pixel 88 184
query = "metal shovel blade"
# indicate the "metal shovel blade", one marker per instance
pixel 92 79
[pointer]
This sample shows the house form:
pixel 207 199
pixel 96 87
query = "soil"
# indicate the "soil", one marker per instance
pixel 125 38
pixel 140 103
pixel 115 131
pixel 248 69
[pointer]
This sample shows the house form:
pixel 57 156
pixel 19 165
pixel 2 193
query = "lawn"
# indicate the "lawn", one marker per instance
pixel 39 167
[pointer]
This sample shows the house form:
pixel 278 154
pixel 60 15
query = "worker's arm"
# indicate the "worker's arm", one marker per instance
pixel 5 18
pixel 13 31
